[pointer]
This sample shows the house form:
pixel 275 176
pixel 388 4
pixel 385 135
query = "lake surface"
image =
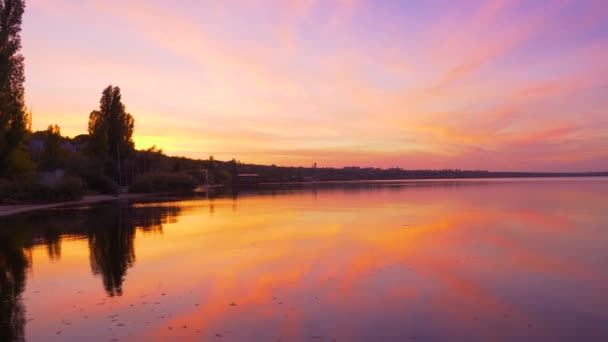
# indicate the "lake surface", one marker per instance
pixel 474 260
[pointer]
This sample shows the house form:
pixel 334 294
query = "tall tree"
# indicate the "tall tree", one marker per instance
pixel 13 118
pixel 111 128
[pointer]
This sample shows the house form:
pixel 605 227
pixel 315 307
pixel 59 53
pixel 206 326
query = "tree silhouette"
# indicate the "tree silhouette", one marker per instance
pixel 13 266
pixel 111 235
pixel 13 117
pixel 110 229
pixel 111 246
pixel 52 155
pixel 111 129
pixel 52 239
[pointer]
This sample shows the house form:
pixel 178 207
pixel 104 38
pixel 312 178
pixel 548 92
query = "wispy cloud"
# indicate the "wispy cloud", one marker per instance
pixel 479 84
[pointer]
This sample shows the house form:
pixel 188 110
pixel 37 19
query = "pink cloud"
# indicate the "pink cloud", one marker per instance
pixel 299 81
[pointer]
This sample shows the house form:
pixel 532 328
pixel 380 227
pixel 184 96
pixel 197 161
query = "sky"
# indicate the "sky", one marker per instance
pixel 494 85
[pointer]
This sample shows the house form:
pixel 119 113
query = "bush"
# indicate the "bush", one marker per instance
pixel 103 184
pixel 222 177
pixel 34 192
pixel 19 164
pixel 163 182
pixel 68 189
pixel 16 192
pixel 7 191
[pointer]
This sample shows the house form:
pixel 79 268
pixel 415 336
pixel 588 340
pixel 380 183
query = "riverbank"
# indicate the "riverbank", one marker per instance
pixel 7 210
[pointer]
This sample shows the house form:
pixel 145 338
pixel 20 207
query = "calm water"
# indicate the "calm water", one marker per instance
pixel 432 261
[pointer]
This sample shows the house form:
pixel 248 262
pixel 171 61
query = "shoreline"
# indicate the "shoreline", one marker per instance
pixel 8 210
pixel 414 180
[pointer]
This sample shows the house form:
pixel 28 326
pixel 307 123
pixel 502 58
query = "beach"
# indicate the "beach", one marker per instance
pixel 7 210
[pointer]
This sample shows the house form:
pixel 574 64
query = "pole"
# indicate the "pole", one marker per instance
pixel 118 163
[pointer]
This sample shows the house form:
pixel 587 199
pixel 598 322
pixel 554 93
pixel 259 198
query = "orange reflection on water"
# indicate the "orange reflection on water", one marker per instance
pixel 477 261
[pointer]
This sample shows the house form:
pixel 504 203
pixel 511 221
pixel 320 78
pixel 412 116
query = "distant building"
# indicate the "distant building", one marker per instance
pixel 35 146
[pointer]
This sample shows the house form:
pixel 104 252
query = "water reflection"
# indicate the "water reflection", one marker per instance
pixel 13 266
pixel 110 230
pixel 111 233
pixel 111 247
pixel 52 239
pixel 479 260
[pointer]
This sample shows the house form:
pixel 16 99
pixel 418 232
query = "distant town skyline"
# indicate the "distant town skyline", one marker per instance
pixel 493 85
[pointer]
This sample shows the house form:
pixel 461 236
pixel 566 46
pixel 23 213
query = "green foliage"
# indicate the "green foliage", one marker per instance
pixel 68 189
pixel 13 117
pixel 221 176
pixel 18 164
pixel 90 170
pixel 163 182
pixel 111 129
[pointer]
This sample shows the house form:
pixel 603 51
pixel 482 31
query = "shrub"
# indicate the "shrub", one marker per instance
pixel 68 189
pixel 103 184
pixel 7 191
pixel 34 192
pixel 163 182
pixel 15 192
pixel 19 164
pixel 222 177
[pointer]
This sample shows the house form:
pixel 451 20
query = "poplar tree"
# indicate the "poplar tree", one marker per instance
pixel 13 116
pixel 111 129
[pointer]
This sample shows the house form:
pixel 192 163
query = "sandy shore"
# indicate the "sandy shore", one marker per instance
pixel 6 210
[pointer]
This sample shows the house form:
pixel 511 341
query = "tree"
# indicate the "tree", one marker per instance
pixel 233 170
pixel 13 117
pixel 53 155
pixel 111 129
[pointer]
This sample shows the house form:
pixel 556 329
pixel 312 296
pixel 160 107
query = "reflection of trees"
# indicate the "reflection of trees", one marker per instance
pixel 52 238
pixel 110 229
pixel 111 233
pixel 152 218
pixel 111 248
pixel 13 264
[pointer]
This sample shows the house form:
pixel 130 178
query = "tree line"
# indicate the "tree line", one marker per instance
pixel 102 160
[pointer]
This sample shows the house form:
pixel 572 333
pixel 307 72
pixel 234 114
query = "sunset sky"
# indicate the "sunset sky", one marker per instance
pixel 498 85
